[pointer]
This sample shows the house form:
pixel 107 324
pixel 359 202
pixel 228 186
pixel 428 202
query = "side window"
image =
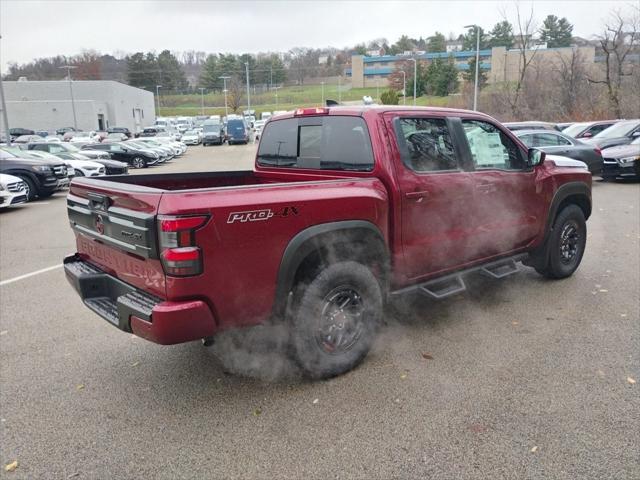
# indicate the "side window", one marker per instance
pixel 491 147
pixel 528 140
pixel 115 148
pixel 425 144
pixel 54 149
pixel 550 140
pixel 597 129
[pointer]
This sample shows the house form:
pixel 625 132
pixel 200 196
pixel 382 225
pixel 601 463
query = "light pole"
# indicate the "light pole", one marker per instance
pixel 246 64
pixel 475 86
pixel 226 108
pixel 73 103
pixel 158 98
pixel 404 87
pixel 378 89
pixel 202 99
pixel 4 110
pixel 415 79
pixel 322 83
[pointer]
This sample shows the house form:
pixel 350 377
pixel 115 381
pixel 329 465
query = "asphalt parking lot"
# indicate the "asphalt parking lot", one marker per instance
pixel 518 378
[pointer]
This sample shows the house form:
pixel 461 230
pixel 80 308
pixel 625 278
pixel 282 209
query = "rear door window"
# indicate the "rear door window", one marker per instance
pixel 326 143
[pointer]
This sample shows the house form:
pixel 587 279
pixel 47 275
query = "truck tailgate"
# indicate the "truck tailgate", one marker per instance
pixel 116 230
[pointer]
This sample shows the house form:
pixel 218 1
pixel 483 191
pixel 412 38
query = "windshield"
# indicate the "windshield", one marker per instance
pixel 191 132
pixel 620 129
pixel 211 128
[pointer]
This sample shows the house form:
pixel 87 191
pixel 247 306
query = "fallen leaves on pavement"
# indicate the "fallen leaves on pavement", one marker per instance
pixel 631 381
pixel 534 449
pixel 10 467
pixel 427 356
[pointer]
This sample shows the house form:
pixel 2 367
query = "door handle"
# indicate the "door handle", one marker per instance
pixel 486 187
pixel 418 196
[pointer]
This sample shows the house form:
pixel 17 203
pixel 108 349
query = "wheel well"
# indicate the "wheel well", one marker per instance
pixel 580 200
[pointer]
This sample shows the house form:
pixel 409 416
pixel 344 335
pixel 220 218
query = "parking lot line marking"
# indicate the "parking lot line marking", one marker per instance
pixel 27 275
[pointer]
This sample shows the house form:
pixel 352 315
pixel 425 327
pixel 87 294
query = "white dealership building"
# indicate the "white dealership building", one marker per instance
pixel 98 105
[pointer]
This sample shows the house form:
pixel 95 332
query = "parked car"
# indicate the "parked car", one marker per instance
pixel 123 130
pixel 622 161
pixel 152 131
pixel 191 137
pixel 13 191
pixel 622 133
pixel 115 137
pixel 42 133
pixel 237 132
pixel 56 148
pixel 41 177
pixel 585 130
pixel 562 125
pixel 354 206
pixel 213 133
pixel 164 153
pixel 154 144
pixel 84 138
pixel 178 147
pixel 558 143
pixel 53 139
pixel 18 132
pixel 27 139
pixel 77 167
pixel 530 125
pixel 62 131
pixel 258 126
pixel 122 152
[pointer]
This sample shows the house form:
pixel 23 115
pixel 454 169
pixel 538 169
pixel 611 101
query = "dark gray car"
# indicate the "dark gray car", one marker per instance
pixel 557 143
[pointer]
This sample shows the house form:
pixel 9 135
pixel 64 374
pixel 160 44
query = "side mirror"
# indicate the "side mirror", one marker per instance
pixel 587 135
pixel 535 157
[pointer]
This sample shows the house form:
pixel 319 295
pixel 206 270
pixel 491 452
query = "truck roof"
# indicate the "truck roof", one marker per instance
pixel 360 110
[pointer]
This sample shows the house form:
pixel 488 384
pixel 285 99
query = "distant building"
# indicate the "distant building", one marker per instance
pixel 500 64
pixel 453 46
pixel 376 52
pixel 99 104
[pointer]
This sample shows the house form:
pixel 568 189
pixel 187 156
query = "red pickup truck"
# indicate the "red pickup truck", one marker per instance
pixel 345 208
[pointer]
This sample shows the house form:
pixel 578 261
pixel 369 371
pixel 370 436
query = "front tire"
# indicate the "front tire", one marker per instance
pixel 336 320
pixel 31 187
pixel 565 244
pixel 139 162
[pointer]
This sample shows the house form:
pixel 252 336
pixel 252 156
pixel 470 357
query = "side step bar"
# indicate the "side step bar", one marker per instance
pixel 452 284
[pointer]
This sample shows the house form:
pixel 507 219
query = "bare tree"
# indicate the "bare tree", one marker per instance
pixel 235 87
pixel 525 28
pixel 572 77
pixel 621 35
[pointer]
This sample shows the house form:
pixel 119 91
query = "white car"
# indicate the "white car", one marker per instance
pixel 258 126
pixel 84 138
pixel 178 147
pixel 13 191
pixel 191 137
pixel 52 139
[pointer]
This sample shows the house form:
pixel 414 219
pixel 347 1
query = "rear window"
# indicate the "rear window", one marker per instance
pixel 324 143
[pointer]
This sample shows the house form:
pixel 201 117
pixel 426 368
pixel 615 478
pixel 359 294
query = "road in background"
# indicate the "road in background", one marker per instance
pixel 518 378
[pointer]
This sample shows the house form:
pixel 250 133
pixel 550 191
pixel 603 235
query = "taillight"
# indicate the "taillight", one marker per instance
pixel 311 111
pixel 180 255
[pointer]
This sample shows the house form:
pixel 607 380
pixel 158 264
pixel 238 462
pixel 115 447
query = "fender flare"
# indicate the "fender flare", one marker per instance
pixel 307 241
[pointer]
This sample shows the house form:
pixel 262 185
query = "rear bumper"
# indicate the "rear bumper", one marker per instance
pixel 135 311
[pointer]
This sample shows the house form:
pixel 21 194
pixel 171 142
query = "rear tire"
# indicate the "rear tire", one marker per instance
pixel 566 243
pixel 336 320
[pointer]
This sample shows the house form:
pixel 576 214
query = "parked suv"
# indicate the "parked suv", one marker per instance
pixel 41 177
pixel 13 191
pixel 122 152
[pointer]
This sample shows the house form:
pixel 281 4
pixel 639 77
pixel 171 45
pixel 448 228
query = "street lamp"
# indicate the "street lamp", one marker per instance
pixel 202 99
pixel 226 108
pixel 158 98
pixel 404 86
pixel 475 86
pixel 246 64
pixel 73 103
pixel 322 83
pixel 415 79
pixel 5 116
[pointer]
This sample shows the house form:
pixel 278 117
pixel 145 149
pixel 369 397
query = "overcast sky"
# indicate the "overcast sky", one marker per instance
pixel 32 29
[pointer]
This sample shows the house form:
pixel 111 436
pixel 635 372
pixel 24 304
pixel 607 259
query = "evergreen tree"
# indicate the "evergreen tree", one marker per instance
pixel 469 75
pixel 556 32
pixel 436 43
pixel 171 74
pixel 209 78
pixel 441 77
pixel 142 71
pixel 469 39
pixel 389 97
pixel 501 35
pixel 404 44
